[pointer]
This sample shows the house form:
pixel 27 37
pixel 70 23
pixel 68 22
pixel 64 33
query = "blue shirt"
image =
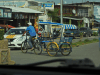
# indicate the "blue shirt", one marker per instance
pixel 31 30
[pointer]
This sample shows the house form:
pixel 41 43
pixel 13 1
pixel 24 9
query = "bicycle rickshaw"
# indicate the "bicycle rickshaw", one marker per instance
pixel 52 48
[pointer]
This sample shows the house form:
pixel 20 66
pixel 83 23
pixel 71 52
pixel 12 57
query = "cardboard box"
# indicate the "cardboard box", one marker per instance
pixel 45 34
pixel 4 44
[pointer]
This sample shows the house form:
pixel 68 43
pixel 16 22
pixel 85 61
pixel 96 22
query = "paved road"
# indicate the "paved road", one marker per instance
pixel 85 51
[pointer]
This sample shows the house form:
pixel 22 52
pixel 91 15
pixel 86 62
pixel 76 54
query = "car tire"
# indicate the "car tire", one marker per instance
pixel 73 37
pixel 86 35
pixel 90 35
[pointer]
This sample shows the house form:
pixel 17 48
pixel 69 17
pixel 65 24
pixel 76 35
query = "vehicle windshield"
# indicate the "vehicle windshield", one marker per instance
pixel 15 31
pixel 83 29
pixel 94 30
pixel 73 29
pixel 73 38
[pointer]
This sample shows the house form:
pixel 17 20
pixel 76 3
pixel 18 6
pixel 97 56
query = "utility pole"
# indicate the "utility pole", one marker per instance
pixel 3 2
pixel 61 13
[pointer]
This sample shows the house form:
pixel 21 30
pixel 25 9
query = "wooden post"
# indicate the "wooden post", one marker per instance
pixel 5 58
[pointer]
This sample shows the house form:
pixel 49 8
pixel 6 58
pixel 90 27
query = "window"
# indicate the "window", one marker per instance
pixel 82 29
pixel 70 10
pixel 15 31
pixel 67 10
pixel 64 10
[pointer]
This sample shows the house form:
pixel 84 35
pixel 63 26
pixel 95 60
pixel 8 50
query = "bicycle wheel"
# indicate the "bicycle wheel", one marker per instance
pixel 24 47
pixel 65 49
pixel 52 48
pixel 37 49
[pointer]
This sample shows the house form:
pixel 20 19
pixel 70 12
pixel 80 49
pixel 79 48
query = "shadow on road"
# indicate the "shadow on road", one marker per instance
pixel 15 48
pixel 58 55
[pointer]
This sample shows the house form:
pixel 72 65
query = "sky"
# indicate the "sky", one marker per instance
pixel 58 1
pixel 69 1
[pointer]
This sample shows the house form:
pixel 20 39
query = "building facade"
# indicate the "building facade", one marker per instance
pixel 77 15
pixel 93 22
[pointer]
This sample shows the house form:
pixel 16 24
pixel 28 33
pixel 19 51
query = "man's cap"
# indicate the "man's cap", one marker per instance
pixel 29 23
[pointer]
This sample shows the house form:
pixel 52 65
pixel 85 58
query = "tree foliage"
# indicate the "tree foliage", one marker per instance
pixel 54 15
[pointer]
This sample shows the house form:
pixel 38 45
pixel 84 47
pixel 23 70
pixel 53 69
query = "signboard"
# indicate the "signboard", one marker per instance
pixel 45 18
pixel 5 13
pixel 86 20
pixel 49 19
pixel 40 18
pixel 48 6
pixel 7 10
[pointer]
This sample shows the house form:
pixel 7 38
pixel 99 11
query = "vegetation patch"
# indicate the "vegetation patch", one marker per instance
pixel 95 34
pixel 1 34
pixel 86 41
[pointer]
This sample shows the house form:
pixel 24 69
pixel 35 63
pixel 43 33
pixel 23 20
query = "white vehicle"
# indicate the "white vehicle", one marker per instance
pixel 14 36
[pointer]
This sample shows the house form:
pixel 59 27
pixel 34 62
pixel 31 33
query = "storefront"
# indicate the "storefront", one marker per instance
pixel 5 16
pixel 21 16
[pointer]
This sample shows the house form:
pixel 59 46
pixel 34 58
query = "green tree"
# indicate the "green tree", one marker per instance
pixel 82 24
pixel 54 15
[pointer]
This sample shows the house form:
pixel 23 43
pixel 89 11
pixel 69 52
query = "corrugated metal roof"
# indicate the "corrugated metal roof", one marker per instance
pixel 23 10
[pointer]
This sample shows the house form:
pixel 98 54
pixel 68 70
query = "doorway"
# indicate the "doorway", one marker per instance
pixel 32 21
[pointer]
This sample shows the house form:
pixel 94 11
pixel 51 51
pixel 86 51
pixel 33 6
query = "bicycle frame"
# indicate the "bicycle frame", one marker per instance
pixel 26 40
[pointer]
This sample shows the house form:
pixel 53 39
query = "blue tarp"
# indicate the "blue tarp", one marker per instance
pixel 44 22
pixel 70 27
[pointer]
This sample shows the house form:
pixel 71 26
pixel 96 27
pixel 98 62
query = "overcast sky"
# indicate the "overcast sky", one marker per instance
pixel 58 1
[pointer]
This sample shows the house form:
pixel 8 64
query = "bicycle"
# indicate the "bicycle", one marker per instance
pixel 25 46
pixel 43 40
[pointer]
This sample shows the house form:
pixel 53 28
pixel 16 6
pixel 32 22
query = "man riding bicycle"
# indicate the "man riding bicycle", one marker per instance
pixel 32 34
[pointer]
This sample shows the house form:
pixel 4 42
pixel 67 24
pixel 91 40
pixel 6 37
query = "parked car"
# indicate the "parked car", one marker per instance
pixel 87 31
pixel 71 33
